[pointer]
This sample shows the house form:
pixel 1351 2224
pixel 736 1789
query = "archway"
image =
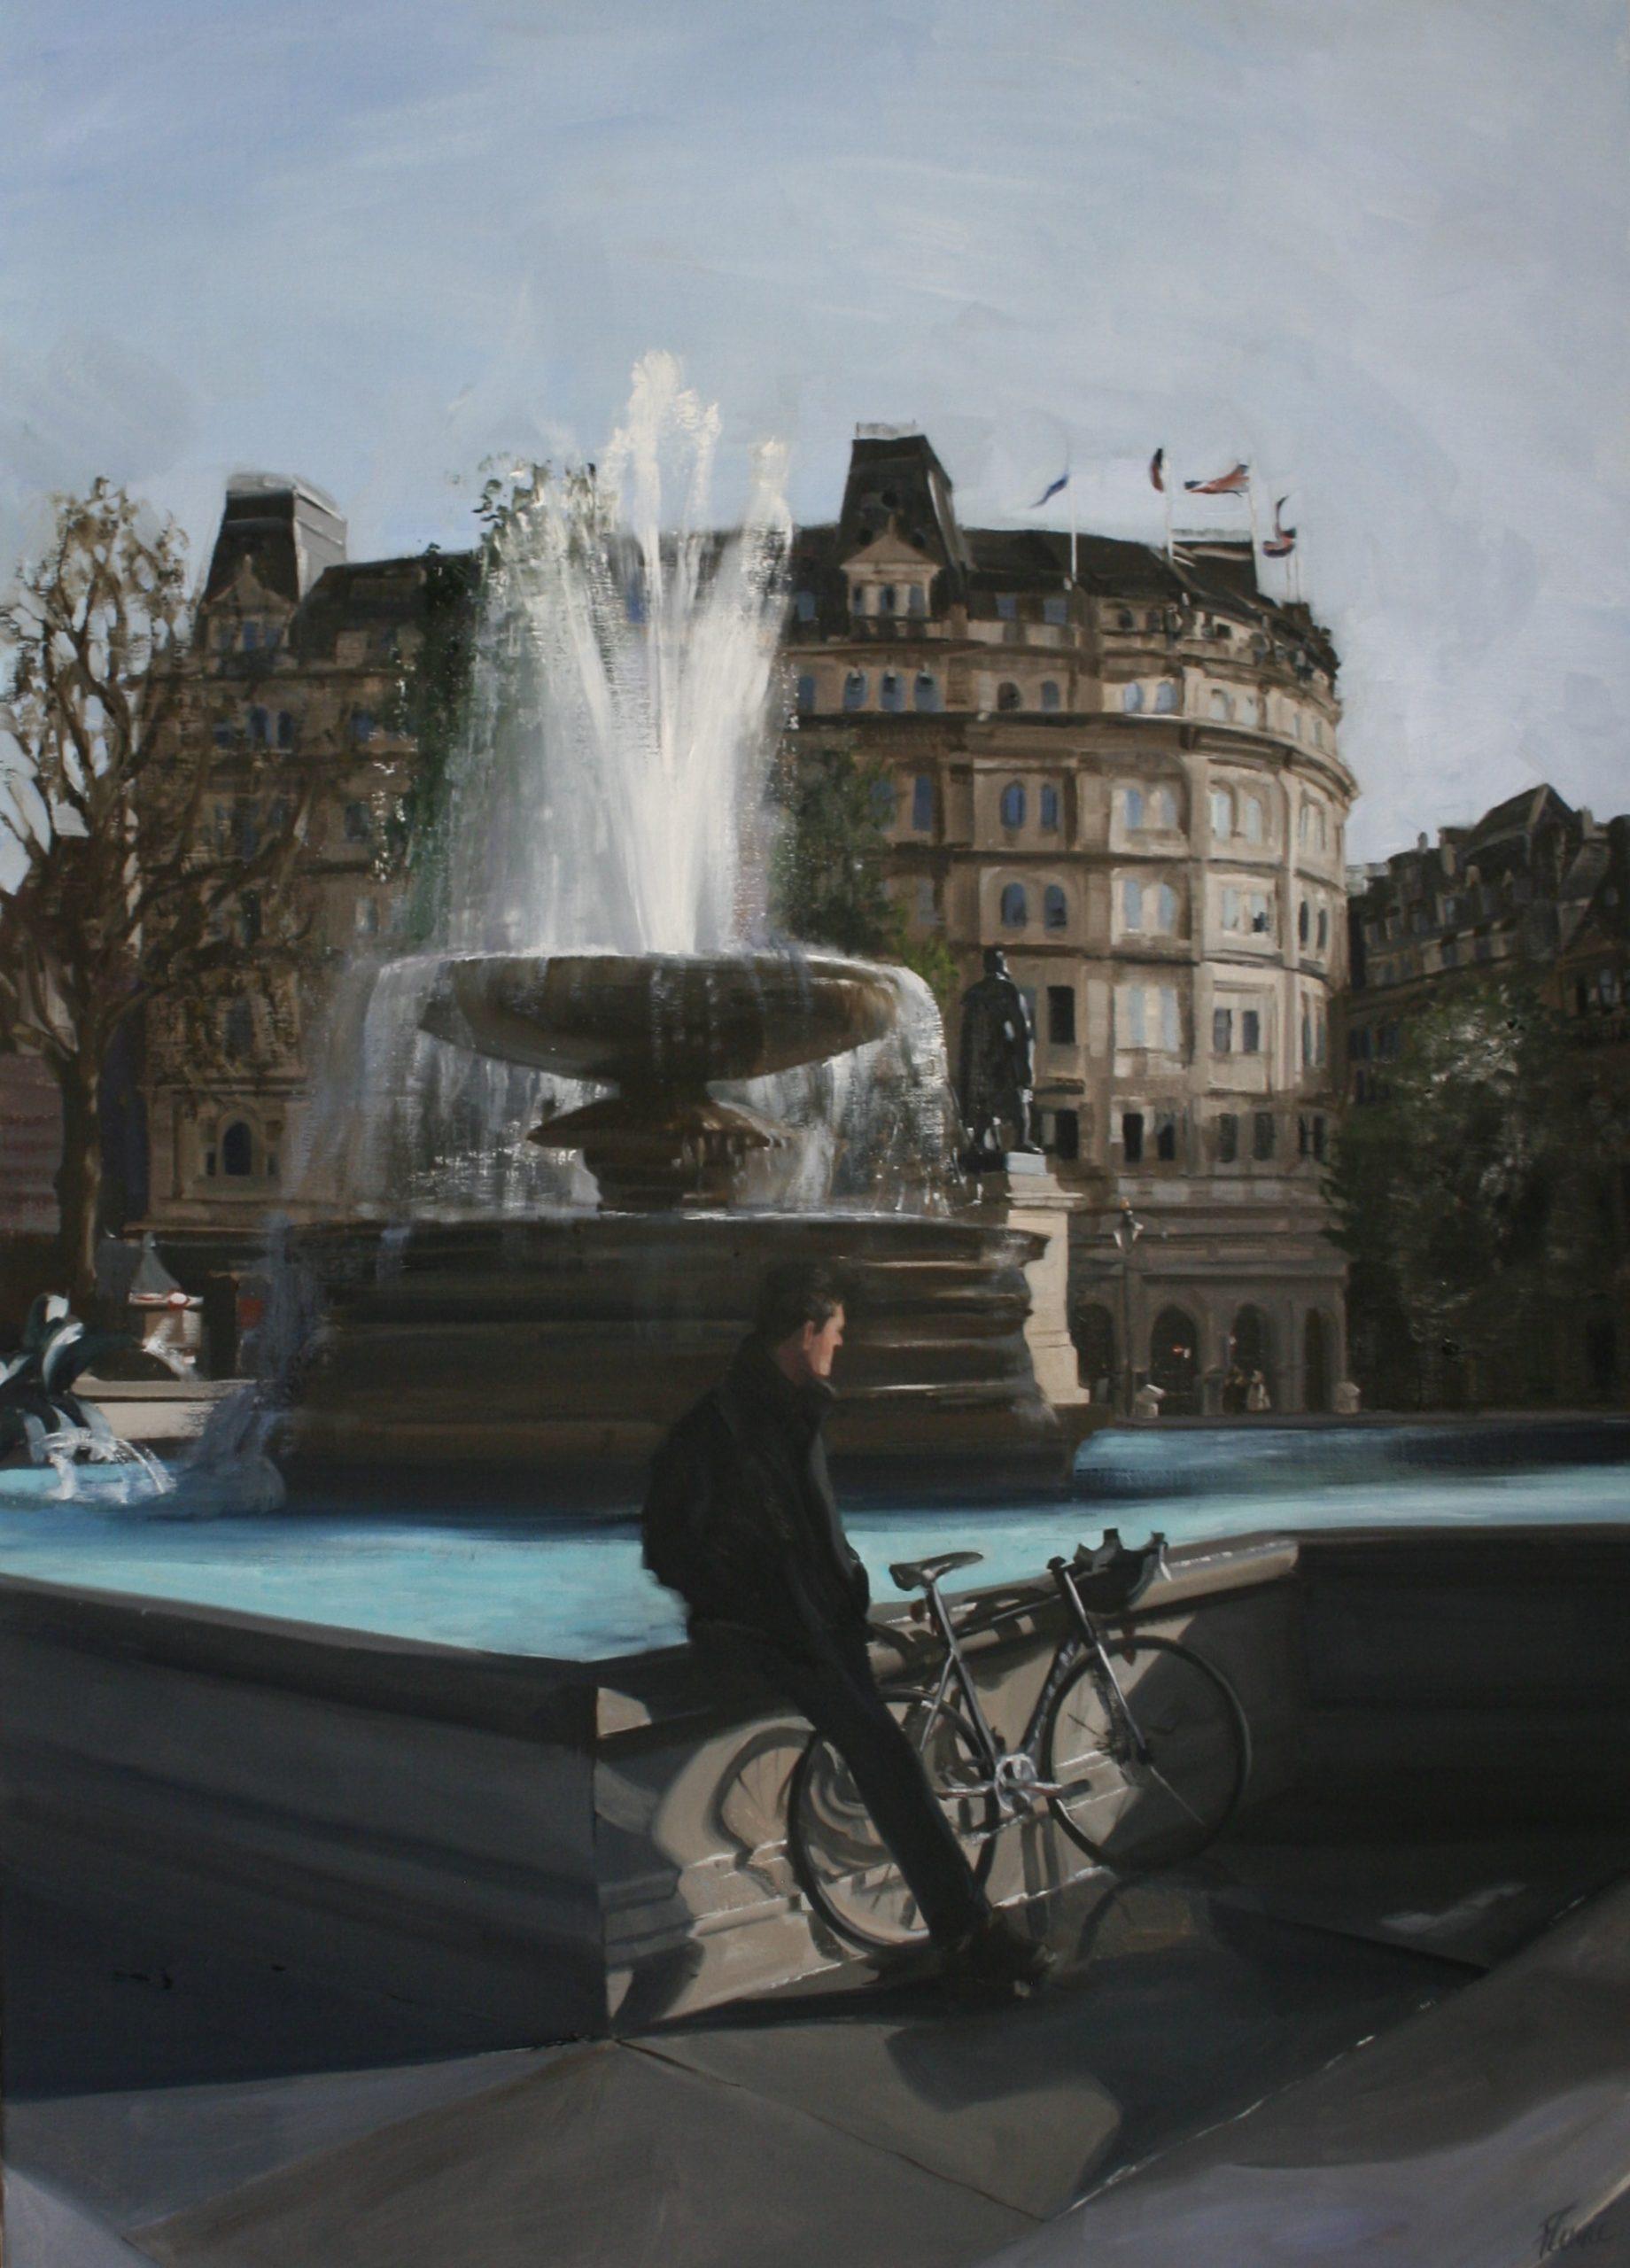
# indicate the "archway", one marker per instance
pixel 1315 1362
pixel 1250 1357
pixel 1093 1330
pixel 1174 1362
pixel 237 1150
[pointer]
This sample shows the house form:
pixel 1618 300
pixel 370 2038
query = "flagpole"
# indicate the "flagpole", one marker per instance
pixel 1070 476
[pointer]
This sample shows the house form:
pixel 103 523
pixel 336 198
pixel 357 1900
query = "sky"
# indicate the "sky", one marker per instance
pixel 1375 247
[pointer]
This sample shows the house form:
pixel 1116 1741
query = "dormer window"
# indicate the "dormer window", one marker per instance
pixel 885 599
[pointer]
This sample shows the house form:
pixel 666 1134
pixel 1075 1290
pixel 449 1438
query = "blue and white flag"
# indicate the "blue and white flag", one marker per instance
pixel 1061 482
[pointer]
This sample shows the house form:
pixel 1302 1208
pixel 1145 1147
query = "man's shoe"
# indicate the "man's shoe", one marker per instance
pixel 995 1953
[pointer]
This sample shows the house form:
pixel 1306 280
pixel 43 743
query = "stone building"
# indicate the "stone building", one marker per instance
pixel 1121 768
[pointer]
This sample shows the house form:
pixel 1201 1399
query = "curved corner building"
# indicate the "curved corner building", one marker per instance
pixel 1127 778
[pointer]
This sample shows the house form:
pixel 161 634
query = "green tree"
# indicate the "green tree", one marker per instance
pixel 830 879
pixel 130 883
pixel 1465 1198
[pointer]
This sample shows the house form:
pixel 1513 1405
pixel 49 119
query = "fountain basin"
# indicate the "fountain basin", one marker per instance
pixel 563 1346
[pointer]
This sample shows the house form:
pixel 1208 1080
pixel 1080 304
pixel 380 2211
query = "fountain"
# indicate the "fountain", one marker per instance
pixel 598 995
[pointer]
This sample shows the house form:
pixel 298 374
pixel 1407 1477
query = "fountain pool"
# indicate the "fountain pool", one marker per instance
pixel 572 1588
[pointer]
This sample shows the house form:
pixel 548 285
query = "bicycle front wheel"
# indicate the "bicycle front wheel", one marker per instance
pixel 1136 1812
pixel 844 1867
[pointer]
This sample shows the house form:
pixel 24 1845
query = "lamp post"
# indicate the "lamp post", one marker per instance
pixel 1126 1232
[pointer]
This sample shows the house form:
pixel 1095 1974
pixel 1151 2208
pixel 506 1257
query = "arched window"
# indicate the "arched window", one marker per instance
pixel 806 694
pixel 1134 807
pixel 1013 804
pixel 1324 941
pixel 855 690
pixel 1051 697
pixel 1015 911
pixel 1165 698
pixel 1008 695
pixel 1174 1362
pixel 891 693
pixel 1131 699
pixel 1131 905
pixel 285 729
pixel 1166 902
pixel 928 694
pixel 1221 812
pixel 1165 808
pixel 1222 707
pixel 258 728
pixel 1055 908
pixel 238 1151
pixel 1251 817
pixel 1049 809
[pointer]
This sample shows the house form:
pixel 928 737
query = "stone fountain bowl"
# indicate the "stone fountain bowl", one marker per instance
pixel 665 1021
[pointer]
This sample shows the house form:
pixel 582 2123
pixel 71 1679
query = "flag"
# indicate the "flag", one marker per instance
pixel 1282 542
pixel 1226 483
pixel 1061 482
pixel 1157 471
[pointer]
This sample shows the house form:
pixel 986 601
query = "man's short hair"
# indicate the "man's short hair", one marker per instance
pixel 792 1294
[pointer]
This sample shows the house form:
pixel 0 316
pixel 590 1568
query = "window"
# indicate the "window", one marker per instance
pixel 1318 1137
pixel 362 726
pixel 1013 804
pixel 1263 1135
pixel 883 802
pixel 1230 907
pixel 238 1151
pixel 1303 921
pixel 1250 1031
pixel 1056 611
pixel 239 1035
pixel 252 637
pixel 803 603
pixel 1055 908
pixel 1324 938
pixel 1061 1015
pixel 1132 1030
pixel 1132 1137
pixel 928 913
pixel 1165 698
pixel 1222 707
pixel 1166 910
pixel 1050 697
pixel 285 729
pixel 1050 810
pixel 359 823
pixel 1259 922
pixel 1221 1031
pixel 1228 1139
pixel 891 693
pixel 1166 1137
pixel 806 694
pixel 1251 817
pixel 885 599
pixel 1134 808
pixel 857 598
pixel 1015 911
pixel 1131 905
pixel 1171 1027
pixel 855 690
pixel 258 728
pixel 223 736
pixel 1221 812
pixel 1124 619
pixel 917 601
pixel 928 692
pixel 1165 808
pixel 1007 606
pixel 1065 1136
pixel 1131 699
pixel 1008 695
pixel 922 803
pixel 1306 1037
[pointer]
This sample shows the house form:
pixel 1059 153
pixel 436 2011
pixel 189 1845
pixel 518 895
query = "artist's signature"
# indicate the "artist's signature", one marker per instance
pixel 1560 2233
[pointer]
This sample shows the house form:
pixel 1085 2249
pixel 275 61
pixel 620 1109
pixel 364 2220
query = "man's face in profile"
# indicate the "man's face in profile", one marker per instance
pixel 817 1344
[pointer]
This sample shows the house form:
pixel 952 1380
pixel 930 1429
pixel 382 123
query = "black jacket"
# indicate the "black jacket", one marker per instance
pixel 739 1517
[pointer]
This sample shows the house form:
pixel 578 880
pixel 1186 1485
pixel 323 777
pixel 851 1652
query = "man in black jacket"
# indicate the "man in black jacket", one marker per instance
pixel 741 1520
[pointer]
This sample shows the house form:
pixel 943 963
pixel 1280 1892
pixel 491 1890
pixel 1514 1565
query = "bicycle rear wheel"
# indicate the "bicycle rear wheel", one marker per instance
pixel 1133 1814
pixel 844 1867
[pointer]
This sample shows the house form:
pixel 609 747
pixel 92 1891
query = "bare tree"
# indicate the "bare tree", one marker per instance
pixel 135 882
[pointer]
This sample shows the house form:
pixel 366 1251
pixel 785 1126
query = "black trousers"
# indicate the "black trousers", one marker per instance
pixel 832 1685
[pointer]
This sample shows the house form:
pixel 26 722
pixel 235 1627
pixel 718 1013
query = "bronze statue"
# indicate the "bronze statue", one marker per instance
pixel 995 1073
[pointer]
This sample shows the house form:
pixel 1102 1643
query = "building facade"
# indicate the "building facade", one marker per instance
pixel 1121 768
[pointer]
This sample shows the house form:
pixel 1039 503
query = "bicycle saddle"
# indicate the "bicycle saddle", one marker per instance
pixel 917 1574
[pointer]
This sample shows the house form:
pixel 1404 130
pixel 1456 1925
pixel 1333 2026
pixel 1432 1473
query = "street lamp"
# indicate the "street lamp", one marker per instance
pixel 1126 1232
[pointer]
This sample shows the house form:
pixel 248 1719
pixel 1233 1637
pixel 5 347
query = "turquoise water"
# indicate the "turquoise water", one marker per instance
pixel 575 1588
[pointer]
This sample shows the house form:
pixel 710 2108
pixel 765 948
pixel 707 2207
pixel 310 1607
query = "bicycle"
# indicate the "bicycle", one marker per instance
pixel 1136 1747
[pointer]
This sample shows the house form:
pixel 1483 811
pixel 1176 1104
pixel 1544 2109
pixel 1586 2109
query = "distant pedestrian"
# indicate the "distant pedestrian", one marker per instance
pixel 1258 1401
pixel 1147 1399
